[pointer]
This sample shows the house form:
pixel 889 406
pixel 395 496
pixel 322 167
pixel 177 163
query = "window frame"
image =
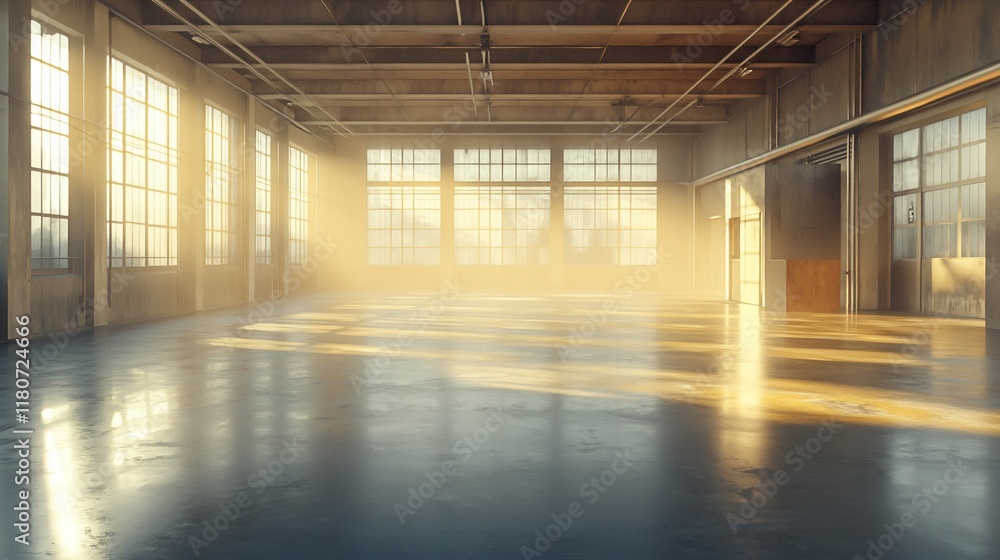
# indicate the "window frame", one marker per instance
pixel 231 168
pixel 172 157
pixel 264 188
pixel 382 180
pixel 542 223
pixel 300 202
pixel 61 128
pixel 606 190
pixel 921 190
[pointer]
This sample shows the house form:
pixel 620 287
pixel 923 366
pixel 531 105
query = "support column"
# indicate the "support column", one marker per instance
pixel 993 209
pixel 557 245
pixel 15 161
pixel 279 205
pixel 95 181
pixel 447 212
pixel 249 199
pixel 191 192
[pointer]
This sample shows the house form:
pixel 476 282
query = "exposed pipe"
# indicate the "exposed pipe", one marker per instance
pixel 117 13
pixel 468 64
pixel 347 35
pixel 600 59
pixel 819 5
pixel 714 68
pixel 959 85
pixel 472 85
pixel 256 58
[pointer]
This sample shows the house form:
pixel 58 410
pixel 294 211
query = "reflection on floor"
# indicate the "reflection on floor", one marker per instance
pixel 475 426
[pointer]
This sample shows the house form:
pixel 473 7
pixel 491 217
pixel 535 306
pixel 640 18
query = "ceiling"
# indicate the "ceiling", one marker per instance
pixel 536 67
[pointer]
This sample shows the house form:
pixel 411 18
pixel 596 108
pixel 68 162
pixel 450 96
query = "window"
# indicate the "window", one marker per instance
pixel 502 164
pixel 611 165
pixel 49 149
pixel 942 165
pixel 906 166
pixel 142 169
pixel 403 164
pixel 404 225
pixel 502 225
pixel 298 206
pixel 404 221
pixel 610 225
pixel 904 237
pixel 263 206
pixel 221 187
pixel 973 212
pixel 941 224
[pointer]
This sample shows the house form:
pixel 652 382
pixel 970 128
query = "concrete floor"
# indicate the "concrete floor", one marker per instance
pixel 662 429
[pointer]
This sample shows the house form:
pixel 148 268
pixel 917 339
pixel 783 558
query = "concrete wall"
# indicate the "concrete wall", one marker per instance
pixel 992 287
pixel 88 293
pixel 923 47
pixel 675 221
pixel 711 243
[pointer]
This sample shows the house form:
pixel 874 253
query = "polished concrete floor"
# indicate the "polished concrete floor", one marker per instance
pixel 472 426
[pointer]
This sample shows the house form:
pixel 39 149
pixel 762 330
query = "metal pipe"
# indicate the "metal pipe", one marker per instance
pixel 959 85
pixel 713 69
pixel 253 55
pixel 815 7
pixel 117 13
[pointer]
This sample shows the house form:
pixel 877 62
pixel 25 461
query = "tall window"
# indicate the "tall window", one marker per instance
pixel 298 206
pixel 609 165
pixel 49 149
pixel 404 165
pixel 503 222
pixel 404 225
pixel 502 225
pixel 404 220
pixel 220 186
pixel 943 167
pixel 263 206
pixel 614 223
pixel 502 165
pixel 610 225
pixel 142 168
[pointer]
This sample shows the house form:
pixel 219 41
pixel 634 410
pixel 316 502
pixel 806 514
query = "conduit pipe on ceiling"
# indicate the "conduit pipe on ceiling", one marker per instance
pixel 712 69
pixel 961 84
pixel 122 16
pixel 468 64
pixel 195 29
pixel 820 4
